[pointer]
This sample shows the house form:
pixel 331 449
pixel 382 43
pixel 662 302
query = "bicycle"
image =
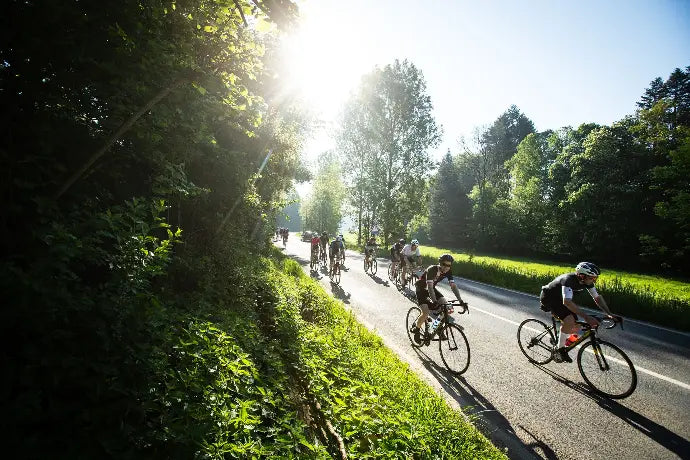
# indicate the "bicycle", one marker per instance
pixel 323 257
pixel 393 271
pixel 414 277
pixel 334 273
pixel 314 261
pixel 452 342
pixel 370 263
pixel 538 343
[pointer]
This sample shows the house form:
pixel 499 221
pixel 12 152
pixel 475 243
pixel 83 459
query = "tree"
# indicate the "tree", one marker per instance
pixel 323 209
pixel 394 117
pixel 449 207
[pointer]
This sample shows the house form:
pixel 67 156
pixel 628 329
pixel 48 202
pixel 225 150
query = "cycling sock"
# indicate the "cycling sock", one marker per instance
pixel 562 339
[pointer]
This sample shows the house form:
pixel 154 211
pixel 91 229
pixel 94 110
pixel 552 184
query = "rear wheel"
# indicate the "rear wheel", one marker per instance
pixel 455 349
pixel 411 320
pixel 607 369
pixel 336 274
pixel 536 341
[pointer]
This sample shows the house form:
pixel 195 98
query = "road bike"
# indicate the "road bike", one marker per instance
pixel 334 273
pixel 323 257
pixel 414 274
pixel 394 272
pixel 603 366
pixel 452 342
pixel 314 261
pixel 370 263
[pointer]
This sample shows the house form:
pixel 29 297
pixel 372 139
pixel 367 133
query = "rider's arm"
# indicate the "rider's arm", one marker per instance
pixel 601 303
pixel 456 291
pixel 430 288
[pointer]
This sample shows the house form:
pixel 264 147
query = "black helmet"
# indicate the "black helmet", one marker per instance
pixel 445 258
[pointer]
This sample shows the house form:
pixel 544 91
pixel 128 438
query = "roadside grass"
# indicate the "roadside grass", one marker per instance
pixel 270 366
pixel 655 299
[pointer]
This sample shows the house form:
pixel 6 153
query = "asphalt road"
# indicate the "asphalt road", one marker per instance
pixel 533 411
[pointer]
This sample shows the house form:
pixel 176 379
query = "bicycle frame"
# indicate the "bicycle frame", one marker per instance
pixel 445 321
pixel 588 332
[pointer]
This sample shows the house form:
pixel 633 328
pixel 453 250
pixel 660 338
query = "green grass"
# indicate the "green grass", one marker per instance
pixel 651 298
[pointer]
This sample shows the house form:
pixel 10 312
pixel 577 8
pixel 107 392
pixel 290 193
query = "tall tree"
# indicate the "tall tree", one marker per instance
pixel 449 207
pixel 399 128
pixel 323 208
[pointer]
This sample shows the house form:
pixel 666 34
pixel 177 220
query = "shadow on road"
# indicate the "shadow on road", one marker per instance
pixel 339 293
pixel 379 280
pixel 663 436
pixel 484 415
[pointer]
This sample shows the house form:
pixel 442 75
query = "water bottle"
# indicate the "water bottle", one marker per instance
pixel 434 324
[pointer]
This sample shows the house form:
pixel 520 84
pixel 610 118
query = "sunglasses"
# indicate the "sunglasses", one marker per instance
pixel 446 265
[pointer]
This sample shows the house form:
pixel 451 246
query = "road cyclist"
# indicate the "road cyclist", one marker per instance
pixel 410 258
pixel 335 252
pixel 370 256
pixel 315 244
pixel 557 297
pixel 394 266
pixel 323 248
pixel 453 345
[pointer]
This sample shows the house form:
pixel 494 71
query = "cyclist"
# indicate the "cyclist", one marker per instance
pixel 409 256
pixel 557 297
pixel 395 254
pixel 335 249
pixel 342 241
pixel 323 243
pixel 315 242
pixel 428 297
pixel 370 249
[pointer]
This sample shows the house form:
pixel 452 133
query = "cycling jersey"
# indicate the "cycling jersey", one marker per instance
pixel 435 274
pixel 369 248
pixel 564 286
pixel 336 246
pixel 315 242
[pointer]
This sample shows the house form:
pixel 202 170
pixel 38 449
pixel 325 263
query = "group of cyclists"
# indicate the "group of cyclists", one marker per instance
pixel 322 246
pixel 282 232
pixel 556 297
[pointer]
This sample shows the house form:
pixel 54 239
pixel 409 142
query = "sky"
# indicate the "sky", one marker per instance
pixel 562 63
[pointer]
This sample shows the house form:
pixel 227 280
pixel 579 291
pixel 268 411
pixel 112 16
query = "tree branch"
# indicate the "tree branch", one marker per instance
pixel 120 131
pixel 239 8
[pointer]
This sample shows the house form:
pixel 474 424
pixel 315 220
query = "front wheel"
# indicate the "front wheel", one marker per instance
pixel 536 341
pixel 607 369
pixel 411 320
pixel 454 349
pixel 373 266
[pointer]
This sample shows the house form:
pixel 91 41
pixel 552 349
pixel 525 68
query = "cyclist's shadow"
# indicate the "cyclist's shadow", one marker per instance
pixel 339 292
pixel 379 280
pixel 663 436
pixel 487 418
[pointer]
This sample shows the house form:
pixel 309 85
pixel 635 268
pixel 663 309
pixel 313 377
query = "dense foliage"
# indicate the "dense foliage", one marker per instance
pixel 143 154
pixel 616 194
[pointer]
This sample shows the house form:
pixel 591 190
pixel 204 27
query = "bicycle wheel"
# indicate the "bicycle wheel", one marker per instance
pixel 336 274
pixel 536 341
pixel 454 349
pixel 412 315
pixel 374 266
pixel 607 369
pixel 366 265
pixel 390 271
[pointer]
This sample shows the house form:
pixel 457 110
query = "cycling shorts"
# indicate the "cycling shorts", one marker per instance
pixel 556 307
pixel 423 297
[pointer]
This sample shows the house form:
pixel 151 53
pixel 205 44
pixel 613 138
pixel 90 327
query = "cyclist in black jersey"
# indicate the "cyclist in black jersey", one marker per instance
pixel 395 253
pixel 428 297
pixel 557 297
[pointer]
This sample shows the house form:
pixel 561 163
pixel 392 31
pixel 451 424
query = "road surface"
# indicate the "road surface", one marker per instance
pixel 533 411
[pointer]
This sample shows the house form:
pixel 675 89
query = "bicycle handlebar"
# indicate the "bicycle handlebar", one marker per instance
pixel 456 303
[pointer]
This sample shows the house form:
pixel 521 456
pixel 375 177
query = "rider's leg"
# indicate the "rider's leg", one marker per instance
pixel 423 316
pixel 568 326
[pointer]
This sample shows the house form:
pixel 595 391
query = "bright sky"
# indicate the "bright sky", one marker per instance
pixel 561 62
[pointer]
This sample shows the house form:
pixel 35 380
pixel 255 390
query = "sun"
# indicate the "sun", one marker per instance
pixel 315 65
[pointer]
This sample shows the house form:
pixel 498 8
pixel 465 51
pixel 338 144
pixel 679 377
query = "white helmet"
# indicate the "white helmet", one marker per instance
pixel 414 242
pixel 587 268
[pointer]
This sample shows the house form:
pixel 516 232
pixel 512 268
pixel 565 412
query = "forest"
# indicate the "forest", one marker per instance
pixel 616 194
